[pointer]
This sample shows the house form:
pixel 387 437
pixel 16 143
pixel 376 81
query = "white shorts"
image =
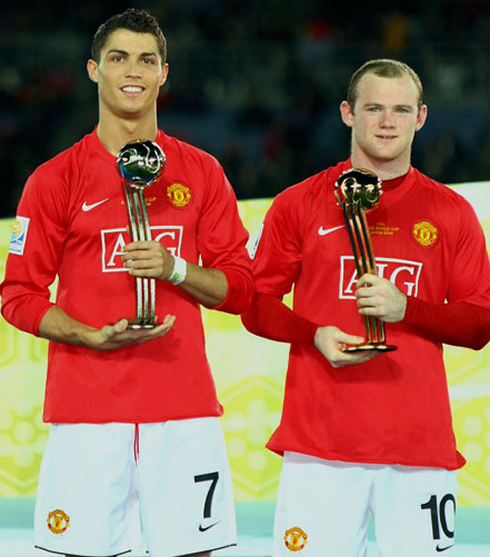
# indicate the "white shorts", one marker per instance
pixel 323 509
pixel 99 483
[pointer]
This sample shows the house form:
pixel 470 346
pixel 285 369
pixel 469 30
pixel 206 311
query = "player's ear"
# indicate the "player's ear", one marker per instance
pixel 93 70
pixel 421 117
pixel 347 114
pixel 164 74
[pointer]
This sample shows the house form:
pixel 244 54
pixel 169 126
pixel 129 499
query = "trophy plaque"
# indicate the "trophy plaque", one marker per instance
pixel 357 191
pixel 140 164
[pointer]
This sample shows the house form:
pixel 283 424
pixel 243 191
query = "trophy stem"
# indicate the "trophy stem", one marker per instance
pixel 376 327
pixel 358 230
pixel 140 164
pixel 349 222
pixel 366 238
pixel 140 231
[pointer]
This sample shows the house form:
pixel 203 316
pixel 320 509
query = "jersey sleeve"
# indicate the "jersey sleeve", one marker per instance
pixel 459 324
pixel 277 263
pixel 465 319
pixel 29 273
pixel 222 239
pixel 278 253
pixel 267 316
pixel 470 277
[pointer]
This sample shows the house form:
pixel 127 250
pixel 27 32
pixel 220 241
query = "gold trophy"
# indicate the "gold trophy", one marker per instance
pixel 140 164
pixel 357 191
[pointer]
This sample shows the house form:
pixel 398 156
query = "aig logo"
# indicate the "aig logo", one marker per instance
pixel 403 273
pixel 113 241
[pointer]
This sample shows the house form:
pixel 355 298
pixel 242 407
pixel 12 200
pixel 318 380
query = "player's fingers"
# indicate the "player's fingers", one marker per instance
pixel 372 311
pixel 169 320
pixel 107 332
pixel 346 338
pixel 367 280
pixel 137 245
pixel 146 263
pixel 165 326
pixel 354 358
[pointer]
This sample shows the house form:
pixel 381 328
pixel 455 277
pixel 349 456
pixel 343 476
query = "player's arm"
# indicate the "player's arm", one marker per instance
pixel 58 326
pixel 458 323
pixel 465 319
pixel 224 280
pixel 267 316
pixel 150 259
pixel 209 286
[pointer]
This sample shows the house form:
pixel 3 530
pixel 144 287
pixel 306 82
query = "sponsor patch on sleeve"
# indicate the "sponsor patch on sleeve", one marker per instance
pixel 19 235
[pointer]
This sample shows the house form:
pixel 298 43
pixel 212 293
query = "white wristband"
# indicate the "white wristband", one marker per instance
pixel 179 272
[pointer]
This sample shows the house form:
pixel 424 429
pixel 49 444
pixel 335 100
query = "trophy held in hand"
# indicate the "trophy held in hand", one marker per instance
pixel 357 191
pixel 140 164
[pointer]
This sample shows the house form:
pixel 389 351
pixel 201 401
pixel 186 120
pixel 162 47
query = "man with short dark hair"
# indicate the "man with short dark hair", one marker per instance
pixel 135 434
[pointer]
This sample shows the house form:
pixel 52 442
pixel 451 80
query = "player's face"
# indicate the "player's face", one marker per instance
pixel 129 74
pixel 384 120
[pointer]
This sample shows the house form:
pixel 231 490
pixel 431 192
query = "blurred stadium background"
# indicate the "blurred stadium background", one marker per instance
pixel 257 83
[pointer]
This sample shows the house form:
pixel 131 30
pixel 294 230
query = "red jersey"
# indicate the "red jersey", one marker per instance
pixel 394 409
pixel 72 223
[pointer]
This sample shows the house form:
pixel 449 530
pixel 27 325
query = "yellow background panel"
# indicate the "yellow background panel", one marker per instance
pixel 250 374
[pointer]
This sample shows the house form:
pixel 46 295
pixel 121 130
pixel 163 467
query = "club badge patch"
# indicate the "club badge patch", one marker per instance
pixel 58 521
pixel 425 234
pixel 19 235
pixel 295 539
pixel 179 195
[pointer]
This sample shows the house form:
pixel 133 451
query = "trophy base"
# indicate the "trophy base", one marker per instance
pixel 372 346
pixel 135 324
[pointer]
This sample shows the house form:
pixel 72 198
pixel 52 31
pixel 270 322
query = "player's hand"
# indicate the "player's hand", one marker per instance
pixel 119 335
pixel 148 259
pixel 331 341
pixel 381 298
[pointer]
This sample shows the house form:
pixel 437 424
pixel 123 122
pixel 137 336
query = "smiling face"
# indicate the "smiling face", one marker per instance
pixel 129 75
pixel 384 120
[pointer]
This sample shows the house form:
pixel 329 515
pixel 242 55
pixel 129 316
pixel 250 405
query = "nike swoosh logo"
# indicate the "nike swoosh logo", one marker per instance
pixel 324 231
pixel 440 549
pixel 204 528
pixel 86 207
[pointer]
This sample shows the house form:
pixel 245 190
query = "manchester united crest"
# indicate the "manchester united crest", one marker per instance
pixel 295 539
pixel 58 521
pixel 425 233
pixel 179 195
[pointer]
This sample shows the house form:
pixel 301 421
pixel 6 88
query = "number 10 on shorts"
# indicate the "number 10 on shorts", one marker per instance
pixel 439 516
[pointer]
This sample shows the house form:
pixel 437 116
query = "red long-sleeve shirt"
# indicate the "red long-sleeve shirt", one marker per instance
pixel 394 409
pixel 72 224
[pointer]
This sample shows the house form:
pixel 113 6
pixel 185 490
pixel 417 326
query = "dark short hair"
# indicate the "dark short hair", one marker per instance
pixel 139 21
pixel 383 67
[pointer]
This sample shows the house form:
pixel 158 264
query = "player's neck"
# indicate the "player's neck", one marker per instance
pixel 385 170
pixel 114 133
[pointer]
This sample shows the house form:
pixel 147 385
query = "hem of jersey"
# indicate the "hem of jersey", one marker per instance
pixel 79 554
pixel 216 412
pixel 208 550
pixel 381 461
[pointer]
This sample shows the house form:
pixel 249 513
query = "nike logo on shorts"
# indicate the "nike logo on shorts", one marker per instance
pixel 86 207
pixel 204 528
pixel 324 231
pixel 440 549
